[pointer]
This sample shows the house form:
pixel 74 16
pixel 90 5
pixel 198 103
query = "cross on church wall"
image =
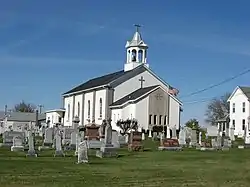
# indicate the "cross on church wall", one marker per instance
pixel 141 80
pixel 158 96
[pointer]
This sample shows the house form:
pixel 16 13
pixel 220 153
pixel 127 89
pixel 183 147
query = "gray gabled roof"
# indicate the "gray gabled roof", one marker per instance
pixel 245 90
pixel 134 95
pixel 24 116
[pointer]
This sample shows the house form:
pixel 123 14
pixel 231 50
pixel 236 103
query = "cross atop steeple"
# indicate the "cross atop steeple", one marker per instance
pixel 137 26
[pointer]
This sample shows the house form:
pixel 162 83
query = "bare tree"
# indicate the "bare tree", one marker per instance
pixel 217 109
pixel 127 125
pixel 24 107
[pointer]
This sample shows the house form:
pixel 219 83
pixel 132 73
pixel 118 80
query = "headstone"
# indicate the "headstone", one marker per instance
pixel 135 141
pixel 17 144
pixel 73 139
pixel 193 138
pixel 107 149
pixel 83 152
pixel 143 136
pixel 122 140
pixel 225 145
pixel 92 136
pixel 232 134
pixel 48 137
pixel 207 145
pixel 126 138
pixel 174 134
pixel 67 135
pixel 9 135
pixel 200 136
pixel 150 134
pixel 58 151
pixel 170 145
pixel 115 139
pixel 168 132
pixel 182 138
pixel 31 151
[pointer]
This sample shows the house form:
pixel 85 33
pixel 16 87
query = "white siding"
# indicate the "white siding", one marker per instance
pixel 100 94
pixel 141 113
pixel 88 97
pixel 174 113
pixel 134 84
pixel 54 117
pixel 68 114
pixel 115 116
pixel 238 98
pixel 128 112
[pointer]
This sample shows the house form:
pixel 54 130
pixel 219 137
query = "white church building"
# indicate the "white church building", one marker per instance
pixel 135 92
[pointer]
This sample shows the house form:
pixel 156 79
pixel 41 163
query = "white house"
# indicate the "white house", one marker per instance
pixel 134 92
pixel 55 116
pixel 239 109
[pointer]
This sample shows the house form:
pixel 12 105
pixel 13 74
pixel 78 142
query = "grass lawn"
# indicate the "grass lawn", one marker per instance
pixel 150 168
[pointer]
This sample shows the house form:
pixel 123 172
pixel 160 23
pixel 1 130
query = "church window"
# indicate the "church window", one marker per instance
pixel 243 124
pixel 100 108
pixel 68 111
pixel 131 116
pixel 160 118
pixel 165 120
pixel 140 55
pixel 59 120
pixel 233 107
pixel 233 124
pixel 88 108
pixel 150 119
pixel 155 119
pixel 134 55
pixel 243 107
pixel 78 109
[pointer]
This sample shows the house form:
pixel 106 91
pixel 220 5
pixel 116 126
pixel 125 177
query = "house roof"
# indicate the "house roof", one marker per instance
pixel 134 95
pixel 98 81
pixel 23 116
pixel 2 115
pixel 244 89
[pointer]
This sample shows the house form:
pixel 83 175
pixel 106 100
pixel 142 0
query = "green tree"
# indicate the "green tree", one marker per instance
pixel 193 124
pixel 24 107
pixel 217 109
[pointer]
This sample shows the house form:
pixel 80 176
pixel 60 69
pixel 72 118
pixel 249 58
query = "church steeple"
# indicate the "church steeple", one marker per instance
pixel 136 51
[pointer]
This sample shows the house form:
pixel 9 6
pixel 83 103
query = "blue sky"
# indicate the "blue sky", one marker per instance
pixel 47 47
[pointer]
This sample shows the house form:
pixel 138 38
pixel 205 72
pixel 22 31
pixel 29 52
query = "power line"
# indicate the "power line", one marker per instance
pixel 218 84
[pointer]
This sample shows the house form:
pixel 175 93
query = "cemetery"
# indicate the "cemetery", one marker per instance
pixel 95 155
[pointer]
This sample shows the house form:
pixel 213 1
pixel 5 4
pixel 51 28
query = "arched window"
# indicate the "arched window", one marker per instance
pixel 134 55
pixel 100 108
pixel 78 109
pixel 140 55
pixel 88 108
pixel 68 111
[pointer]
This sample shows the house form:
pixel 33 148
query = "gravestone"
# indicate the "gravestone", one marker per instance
pixel 122 140
pixel 174 134
pixel 107 149
pixel 115 139
pixel 182 138
pixel 193 138
pixel 143 136
pixel 9 135
pixel 169 144
pixel 200 136
pixel 207 146
pixel 48 137
pixel 225 146
pixel 135 141
pixel 73 139
pixel 92 136
pixel 232 134
pixel 31 151
pixel 67 135
pixel 79 138
pixel 83 152
pixel 17 144
pixel 58 138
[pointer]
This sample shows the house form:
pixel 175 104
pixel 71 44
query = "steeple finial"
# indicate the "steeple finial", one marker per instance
pixel 137 26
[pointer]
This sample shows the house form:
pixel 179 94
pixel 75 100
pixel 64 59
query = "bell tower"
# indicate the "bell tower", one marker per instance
pixel 136 51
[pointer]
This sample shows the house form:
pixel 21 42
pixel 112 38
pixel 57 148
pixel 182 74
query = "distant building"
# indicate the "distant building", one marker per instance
pixel 55 116
pixel 239 109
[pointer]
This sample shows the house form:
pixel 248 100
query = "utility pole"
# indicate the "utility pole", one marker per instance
pixel 40 108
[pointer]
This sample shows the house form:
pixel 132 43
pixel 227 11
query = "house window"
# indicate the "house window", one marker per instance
pixel 165 120
pixel 88 108
pixel 243 107
pixel 233 107
pixel 150 119
pixel 100 107
pixel 160 118
pixel 155 119
pixel 78 109
pixel 68 111
pixel 243 124
pixel 233 124
pixel 59 120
